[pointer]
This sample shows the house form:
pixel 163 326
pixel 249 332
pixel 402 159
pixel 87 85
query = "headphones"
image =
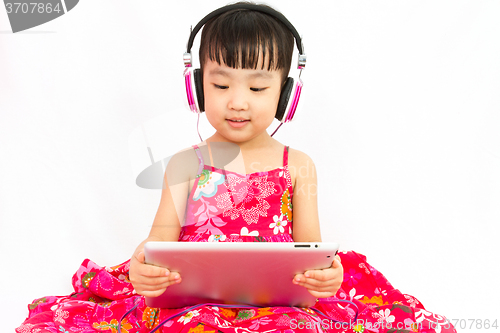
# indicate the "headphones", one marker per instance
pixel 290 93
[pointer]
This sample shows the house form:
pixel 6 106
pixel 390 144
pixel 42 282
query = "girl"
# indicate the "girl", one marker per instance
pixel 245 58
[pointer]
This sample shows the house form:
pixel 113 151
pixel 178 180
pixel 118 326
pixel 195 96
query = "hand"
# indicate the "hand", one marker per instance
pixel 149 280
pixel 322 283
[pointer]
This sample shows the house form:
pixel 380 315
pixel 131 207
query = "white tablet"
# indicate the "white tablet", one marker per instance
pixel 259 273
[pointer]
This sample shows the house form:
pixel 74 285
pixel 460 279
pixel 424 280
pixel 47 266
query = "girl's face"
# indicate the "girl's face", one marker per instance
pixel 240 103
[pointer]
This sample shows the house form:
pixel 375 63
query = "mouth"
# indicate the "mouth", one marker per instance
pixel 237 122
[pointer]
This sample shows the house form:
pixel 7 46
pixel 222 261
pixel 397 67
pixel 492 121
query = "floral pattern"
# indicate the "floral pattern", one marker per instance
pixel 352 277
pixel 239 200
pixel 279 224
pixel 217 238
pixel 103 295
pixel 248 200
pixel 286 205
pixel 113 326
pixel 207 184
pixel 150 317
pixel 188 316
pixel 207 219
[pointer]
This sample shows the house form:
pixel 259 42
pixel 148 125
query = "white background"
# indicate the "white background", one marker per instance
pixel 400 112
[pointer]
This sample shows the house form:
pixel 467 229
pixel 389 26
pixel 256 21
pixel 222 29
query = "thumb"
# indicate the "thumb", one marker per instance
pixel 336 262
pixel 141 257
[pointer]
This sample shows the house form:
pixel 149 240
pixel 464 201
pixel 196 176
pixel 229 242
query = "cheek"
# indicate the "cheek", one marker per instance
pixel 210 114
pixel 272 102
pixel 210 102
pixel 212 110
pixel 277 94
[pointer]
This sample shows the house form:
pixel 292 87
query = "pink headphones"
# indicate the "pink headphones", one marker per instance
pixel 290 94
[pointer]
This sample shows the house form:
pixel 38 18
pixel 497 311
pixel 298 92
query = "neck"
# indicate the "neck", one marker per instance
pixel 260 142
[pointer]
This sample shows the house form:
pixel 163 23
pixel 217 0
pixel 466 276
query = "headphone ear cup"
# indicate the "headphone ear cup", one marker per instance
pixel 198 84
pixel 192 102
pixel 286 91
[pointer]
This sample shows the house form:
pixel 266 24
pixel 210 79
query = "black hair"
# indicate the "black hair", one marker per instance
pixel 238 38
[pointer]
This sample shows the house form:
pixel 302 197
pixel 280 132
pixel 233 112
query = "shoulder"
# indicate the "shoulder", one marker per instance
pixel 298 159
pixel 181 166
pixel 184 156
pixel 301 166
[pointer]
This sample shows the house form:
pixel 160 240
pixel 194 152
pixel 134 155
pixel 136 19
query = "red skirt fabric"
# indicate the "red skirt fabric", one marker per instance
pixel 103 296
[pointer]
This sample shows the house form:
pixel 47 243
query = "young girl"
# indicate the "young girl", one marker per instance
pixel 245 58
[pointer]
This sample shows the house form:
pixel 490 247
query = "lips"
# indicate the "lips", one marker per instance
pixel 237 122
pixel 237 119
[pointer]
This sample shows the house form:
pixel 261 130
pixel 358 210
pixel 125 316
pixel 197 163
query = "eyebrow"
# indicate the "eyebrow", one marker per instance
pixel 259 74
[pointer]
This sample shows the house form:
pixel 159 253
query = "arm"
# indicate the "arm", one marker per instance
pixel 304 200
pixel 323 282
pixel 149 280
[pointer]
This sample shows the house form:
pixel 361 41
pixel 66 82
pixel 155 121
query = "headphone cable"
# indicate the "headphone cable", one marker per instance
pixel 277 128
pixel 197 127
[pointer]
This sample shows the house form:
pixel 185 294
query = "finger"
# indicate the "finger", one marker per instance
pixel 320 274
pixel 338 258
pixel 298 278
pixel 321 294
pixel 152 281
pixel 153 275
pixel 151 293
pixel 171 279
pixel 146 286
pixel 161 275
pixel 174 277
pixel 319 291
pixel 310 283
pixel 310 277
pixel 336 262
pixel 313 284
pixel 301 279
pixel 321 280
pixel 153 271
pixel 141 257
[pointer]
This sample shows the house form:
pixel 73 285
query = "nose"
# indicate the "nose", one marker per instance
pixel 238 100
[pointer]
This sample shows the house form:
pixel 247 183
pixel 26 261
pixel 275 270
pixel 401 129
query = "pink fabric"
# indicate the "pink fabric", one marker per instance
pixel 241 208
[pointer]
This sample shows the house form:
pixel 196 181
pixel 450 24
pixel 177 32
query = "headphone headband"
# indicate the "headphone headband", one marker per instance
pixel 267 10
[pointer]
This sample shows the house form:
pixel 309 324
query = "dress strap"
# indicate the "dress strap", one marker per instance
pixel 210 153
pixel 285 156
pixel 200 158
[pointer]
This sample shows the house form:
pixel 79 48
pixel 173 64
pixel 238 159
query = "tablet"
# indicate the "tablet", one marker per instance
pixel 252 273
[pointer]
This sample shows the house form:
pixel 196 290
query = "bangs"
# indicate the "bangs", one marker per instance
pixel 248 40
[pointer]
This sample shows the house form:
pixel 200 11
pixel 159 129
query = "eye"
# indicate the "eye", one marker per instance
pixel 220 87
pixel 257 89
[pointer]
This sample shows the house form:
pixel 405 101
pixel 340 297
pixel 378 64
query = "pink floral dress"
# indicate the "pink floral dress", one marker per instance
pixel 224 206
